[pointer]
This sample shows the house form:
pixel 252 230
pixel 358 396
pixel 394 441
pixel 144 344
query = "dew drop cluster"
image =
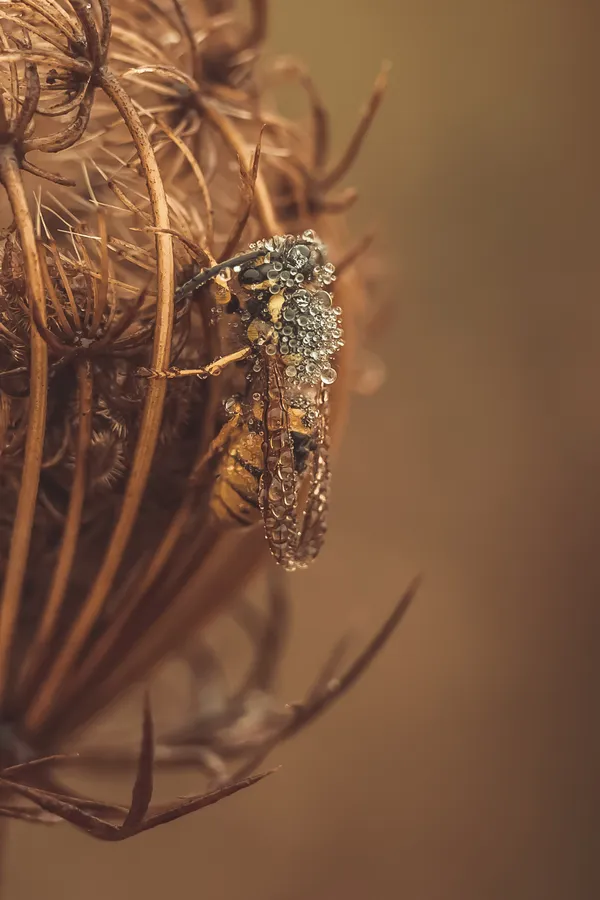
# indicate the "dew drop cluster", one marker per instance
pixel 291 293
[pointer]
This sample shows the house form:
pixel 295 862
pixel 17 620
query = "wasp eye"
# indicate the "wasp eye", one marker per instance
pixel 251 276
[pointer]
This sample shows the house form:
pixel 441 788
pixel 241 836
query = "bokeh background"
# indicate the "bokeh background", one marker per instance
pixel 466 764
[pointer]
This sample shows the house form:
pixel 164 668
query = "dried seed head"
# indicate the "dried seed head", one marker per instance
pixel 108 551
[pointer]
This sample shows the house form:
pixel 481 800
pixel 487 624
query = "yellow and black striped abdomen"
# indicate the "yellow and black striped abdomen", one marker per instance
pixel 234 497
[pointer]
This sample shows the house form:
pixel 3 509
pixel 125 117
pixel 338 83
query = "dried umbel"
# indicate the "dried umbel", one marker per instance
pixel 157 157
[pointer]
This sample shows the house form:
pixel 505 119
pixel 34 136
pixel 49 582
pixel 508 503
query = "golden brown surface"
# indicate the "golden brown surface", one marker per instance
pixel 466 764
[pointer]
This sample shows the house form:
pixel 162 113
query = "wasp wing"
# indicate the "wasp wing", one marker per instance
pixel 279 482
pixel 314 525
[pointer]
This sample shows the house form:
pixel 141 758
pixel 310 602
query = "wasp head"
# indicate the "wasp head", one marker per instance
pixel 288 262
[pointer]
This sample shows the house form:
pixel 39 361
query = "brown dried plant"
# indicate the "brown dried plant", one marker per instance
pixel 163 153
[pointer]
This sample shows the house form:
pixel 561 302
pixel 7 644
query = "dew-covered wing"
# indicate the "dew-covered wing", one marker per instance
pixel 314 525
pixel 279 483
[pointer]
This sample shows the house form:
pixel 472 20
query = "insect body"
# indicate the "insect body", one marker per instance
pixel 276 461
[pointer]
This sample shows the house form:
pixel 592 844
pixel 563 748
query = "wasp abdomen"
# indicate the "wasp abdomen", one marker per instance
pixel 236 490
pixel 235 493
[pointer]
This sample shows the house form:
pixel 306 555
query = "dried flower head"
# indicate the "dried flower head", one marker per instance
pixel 165 158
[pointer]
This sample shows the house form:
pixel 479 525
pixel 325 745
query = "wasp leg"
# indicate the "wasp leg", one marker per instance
pixel 213 368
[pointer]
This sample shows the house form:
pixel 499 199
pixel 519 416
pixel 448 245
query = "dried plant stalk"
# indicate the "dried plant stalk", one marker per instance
pixel 159 152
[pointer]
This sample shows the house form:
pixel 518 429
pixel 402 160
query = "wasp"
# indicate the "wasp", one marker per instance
pixel 276 459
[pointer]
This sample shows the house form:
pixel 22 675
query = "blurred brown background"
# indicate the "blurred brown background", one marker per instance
pixel 466 764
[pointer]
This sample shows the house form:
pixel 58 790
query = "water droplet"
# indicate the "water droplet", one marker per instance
pixel 275 491
pixel 324 298
pixel 280 533
pixel 328 376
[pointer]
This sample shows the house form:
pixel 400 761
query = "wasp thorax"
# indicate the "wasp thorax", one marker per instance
pixel 290 288
pixel 309 336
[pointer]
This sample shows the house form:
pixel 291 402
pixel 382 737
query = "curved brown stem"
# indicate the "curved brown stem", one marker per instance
pixel 248 187
pixel 55 16
pixel 199 176
pixel 355 252
pixel 215 581
pixel 156 566
pixel 151 420
pixel 64 139
pixel 337 172
pixel 34 445
pixel 70 537
pixel 257 31
pixel 26 166
pixel 47 57
pixel 32 95
pixel 105 30
pixel 232 136
pixel 188 33
pixel 83 11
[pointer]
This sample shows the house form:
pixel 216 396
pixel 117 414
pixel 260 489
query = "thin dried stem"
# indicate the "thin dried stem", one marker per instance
pixel 40 642
pixel 341 168
pixel 235 140
pixel 162 554
pixel 354 253
pixel 232 559
pixel 24 517
pixel 257 32
pixel 139 816
pixel 103 289
pixel 249 178
pixel 320 117
pixel 66 284
pixel 328 690
pixel 198 175
pixel 151 420
pixel 49 285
